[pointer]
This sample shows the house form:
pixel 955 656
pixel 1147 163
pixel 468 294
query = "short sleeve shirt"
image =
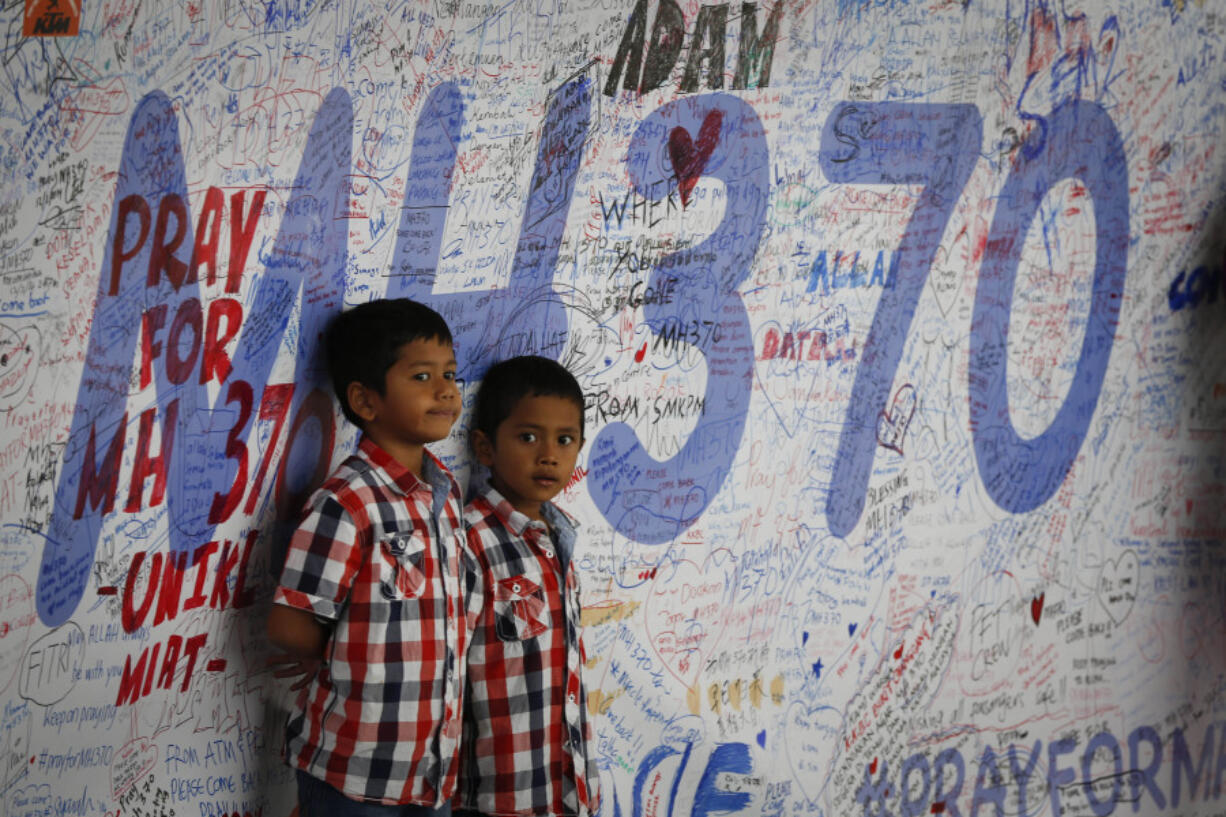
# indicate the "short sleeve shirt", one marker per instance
pixel 527 733
pixel 377 558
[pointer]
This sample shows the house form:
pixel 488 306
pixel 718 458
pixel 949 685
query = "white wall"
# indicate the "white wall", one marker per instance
pixel 904 477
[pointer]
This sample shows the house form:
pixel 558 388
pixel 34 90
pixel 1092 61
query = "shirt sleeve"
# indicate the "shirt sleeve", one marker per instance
pixel 324 555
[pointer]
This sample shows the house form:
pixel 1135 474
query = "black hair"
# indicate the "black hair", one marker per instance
pixel 364 342
pixel 508 382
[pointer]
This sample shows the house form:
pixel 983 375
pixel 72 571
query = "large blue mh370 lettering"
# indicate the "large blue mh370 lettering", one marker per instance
pixel 205 466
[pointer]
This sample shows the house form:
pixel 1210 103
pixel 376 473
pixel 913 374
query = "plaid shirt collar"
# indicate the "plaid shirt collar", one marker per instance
pixel 564 526
pixel 435 478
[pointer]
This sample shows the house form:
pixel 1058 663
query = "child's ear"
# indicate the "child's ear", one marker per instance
pixel 483 448
pixel 360 401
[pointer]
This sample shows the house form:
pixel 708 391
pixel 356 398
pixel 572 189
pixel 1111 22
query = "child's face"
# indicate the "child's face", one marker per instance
pixel 420 400
pixel 533 453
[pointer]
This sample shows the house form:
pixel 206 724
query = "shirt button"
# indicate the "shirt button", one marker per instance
pixel 549 553
pixel 571 697
pixel 515 588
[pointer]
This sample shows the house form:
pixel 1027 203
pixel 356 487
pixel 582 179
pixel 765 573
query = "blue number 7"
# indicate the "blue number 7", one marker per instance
pixel 893 143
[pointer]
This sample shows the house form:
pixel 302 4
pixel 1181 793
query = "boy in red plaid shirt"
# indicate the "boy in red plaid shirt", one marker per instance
pixel 526 731
pixel 369 601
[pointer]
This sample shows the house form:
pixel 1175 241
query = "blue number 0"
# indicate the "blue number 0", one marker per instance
pixel 1081 142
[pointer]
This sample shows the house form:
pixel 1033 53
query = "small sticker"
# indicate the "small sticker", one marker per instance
pixel 52 18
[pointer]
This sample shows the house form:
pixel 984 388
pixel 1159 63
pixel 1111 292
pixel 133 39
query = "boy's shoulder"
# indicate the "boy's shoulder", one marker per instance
pixel 489 511
pixel 348 479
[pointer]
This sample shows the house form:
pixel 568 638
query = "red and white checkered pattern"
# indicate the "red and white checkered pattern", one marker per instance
pixel 378 553
pixel 526 732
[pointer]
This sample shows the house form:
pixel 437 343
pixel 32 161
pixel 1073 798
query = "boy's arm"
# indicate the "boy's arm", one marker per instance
pixel 315 579
pixel 302 638
pixel 296 632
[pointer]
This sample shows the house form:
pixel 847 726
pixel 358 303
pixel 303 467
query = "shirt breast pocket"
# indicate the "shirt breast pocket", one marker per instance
pixel 520 611
pixel 402 570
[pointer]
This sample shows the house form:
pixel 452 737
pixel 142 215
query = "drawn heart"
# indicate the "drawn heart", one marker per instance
pixel 19 353
pixel 16 621
pixel 1117 585
pixel 811 738
pixel 685 614
pixel 892 427
pixel 1036 607
pixel 689 159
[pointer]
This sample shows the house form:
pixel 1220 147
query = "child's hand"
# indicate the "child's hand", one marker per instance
pixel 303 670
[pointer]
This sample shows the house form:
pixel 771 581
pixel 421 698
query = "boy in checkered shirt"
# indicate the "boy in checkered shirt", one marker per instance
pixel 369 601
pixel 526 731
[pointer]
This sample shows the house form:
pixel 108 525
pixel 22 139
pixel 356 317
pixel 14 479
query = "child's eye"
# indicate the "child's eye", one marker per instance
pixel 449 376
pixel 527 437
pixel 422 376
pixel 565 439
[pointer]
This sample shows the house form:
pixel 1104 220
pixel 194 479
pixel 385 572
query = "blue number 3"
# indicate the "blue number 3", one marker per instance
pixel 643 499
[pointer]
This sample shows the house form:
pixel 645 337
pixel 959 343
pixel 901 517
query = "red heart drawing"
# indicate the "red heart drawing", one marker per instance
pixel 689 160
pixel 685 615
pixel 1036 607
